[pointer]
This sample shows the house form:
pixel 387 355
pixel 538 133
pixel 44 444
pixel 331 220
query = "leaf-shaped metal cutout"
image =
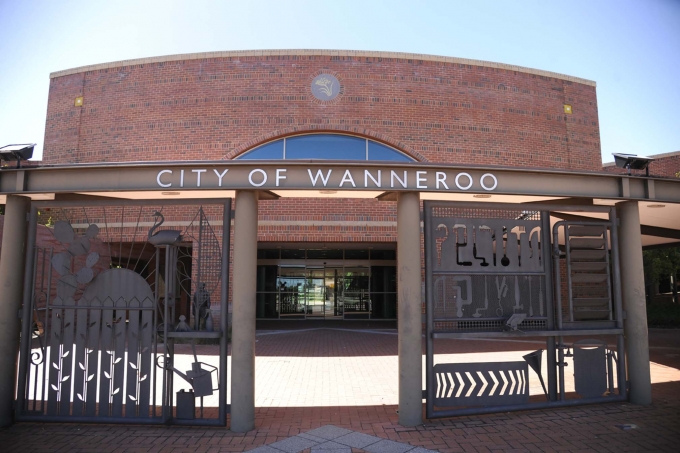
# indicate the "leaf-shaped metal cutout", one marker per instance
pixel 145 324
pixel 61 262
pixel 89 378
pixel 80 246
pixel 55 388
pixel 132 398
pixel 143 378
pixel 80 396
pixel 82 335
pixel 63 231
pixel 92 259
pixel 92 231
pixel 116 391
pixel 55 365
pixel 84 275
pixel 108 376
pixel 82 367
pixel 145 349
pixel 57 335
pixel 65 379
pixel 117 360
pixel 133 366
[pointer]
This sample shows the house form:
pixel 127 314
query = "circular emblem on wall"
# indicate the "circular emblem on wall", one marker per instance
pixel 325 87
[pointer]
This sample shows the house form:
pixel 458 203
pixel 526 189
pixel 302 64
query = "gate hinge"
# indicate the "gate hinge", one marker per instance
pixel 424 394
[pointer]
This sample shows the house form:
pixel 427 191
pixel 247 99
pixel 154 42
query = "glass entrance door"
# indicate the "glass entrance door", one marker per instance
pixel 323 292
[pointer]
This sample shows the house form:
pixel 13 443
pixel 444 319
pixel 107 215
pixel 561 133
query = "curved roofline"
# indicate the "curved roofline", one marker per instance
pixel 319 52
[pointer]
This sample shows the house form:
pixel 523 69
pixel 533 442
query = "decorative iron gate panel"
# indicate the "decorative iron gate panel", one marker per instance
pixel 112 294
pixel 493 271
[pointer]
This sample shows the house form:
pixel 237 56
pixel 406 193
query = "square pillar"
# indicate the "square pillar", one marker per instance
pixel 634 304
pixel 409 317
pixel 12 261
pixel 243 312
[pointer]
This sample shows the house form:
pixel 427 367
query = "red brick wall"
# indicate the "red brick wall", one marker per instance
pixel 217 108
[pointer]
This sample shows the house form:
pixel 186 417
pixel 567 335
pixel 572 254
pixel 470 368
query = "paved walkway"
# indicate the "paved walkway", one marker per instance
pixel 345 383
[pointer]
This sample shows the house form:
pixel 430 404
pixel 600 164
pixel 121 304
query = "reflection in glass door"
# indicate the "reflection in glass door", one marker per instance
pixel 320 291
pixel 355 294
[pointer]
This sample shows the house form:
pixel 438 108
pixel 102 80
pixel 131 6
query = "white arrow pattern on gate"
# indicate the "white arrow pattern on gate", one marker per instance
pixel 514 381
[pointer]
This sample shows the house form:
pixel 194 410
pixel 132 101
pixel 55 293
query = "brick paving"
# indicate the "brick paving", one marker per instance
pixel 347 379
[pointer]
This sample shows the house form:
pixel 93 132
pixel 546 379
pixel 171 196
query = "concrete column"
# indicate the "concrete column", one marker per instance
pixel 409 322
pixel 633 295
pixel 243 312
pixel 12 261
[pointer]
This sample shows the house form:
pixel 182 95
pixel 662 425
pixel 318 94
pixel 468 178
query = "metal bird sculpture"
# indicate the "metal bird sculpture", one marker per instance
pixel 163 237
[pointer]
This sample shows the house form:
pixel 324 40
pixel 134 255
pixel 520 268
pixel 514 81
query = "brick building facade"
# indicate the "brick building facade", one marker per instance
pixel 217 106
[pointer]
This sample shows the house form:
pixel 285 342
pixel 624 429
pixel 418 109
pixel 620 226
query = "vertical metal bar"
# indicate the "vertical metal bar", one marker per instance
pixel 556 270
pixel 546 249
pixel 618 304
pixel 27 309
pixel 616 283
pixel 429 313
pixel 560 357
pixel 569 291
pixel 154 367
pixel 166 356
pixel 47 330
pixel 197 290
pixel 610 372
pixel 609 273
pixel 224 312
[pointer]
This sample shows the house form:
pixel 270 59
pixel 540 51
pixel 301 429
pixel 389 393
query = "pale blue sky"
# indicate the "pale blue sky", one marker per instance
pixel 631 48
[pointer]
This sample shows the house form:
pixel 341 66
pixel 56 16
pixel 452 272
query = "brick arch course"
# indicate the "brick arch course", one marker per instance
pixel 364 133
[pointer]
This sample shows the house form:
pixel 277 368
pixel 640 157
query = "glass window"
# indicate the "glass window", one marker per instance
pixel 383 254
pixel 268 254
pixel 320 254
pixel 268 151
pixel 294 254
pixel 326 146
pixel 352 254
pixel 377 151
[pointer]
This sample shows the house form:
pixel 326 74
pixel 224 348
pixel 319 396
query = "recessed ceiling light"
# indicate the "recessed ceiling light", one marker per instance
pixel 169 193
pixel 481 195
pixel 656 205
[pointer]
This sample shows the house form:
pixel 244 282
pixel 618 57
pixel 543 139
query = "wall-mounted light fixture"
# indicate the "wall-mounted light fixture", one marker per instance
pixel 17 152
pixel 632 162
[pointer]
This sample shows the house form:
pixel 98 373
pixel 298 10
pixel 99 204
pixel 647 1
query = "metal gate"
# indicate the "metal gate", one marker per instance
pixel 499 271
pixel 119 297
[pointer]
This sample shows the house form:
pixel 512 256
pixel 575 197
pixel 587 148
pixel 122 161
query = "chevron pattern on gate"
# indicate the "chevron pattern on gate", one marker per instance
pixel 481 384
